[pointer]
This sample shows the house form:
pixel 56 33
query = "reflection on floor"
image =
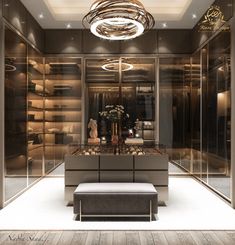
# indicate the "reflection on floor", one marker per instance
pixel 190 206
pixel 59 171
pixel 222 184
pixel 14 185
pixel 218 181
pixel 174 169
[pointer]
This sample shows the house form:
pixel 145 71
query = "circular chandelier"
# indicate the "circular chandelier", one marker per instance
pixel 118 19
pixel 113 65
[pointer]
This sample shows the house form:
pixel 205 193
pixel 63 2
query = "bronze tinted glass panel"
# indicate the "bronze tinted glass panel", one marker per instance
pixel 219 113
pixel 35 114
pixel 129 82
pixel 15 114
pixel 174 116
pixel 62 108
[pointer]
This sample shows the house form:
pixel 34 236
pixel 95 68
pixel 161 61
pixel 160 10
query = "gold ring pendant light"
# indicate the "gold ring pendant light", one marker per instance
pixel 118 19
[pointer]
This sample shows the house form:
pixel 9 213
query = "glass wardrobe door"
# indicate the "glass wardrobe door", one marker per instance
pixel 62 109
pixel 138 76
pixel 15 114
pixel 35 114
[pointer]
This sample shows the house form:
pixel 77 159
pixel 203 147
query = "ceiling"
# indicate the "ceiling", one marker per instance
pixel 57 14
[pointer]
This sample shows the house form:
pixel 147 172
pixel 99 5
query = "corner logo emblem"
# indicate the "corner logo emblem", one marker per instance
pixel 212 20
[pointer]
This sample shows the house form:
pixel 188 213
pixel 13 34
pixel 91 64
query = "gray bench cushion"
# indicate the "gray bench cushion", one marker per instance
pixel 115 198
pixel 115 188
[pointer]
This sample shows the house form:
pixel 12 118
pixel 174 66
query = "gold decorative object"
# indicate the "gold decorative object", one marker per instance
pixel 119 19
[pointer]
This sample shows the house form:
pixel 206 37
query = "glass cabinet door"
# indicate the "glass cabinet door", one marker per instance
pixel 102 89
pixel 62 124
pixel 129 82
pixel 196 113
pixel 35 114
pixel 219 113
pixel 174 116
pixel 15 114
pixel 138 90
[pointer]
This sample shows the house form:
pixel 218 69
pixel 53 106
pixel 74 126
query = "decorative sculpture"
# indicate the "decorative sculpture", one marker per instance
pixel 92 125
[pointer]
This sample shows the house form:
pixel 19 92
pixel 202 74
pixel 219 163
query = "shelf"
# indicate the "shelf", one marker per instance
pixel 35 133
pixel 35 121
pixel 34 147
pixel 37 94
pixel 63 133
pixel 62 109
pixel 63 97
pixel 35 109
pixel 62 121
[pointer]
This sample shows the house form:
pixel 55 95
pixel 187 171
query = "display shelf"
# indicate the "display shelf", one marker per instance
pixel 35 132
pixel 35 109
pixel 35 95
pixel 36 121
pixel 64 98
pixel 62 121
pixel 62 133
pixel 62 107
pixel 34 147
pixel 52 144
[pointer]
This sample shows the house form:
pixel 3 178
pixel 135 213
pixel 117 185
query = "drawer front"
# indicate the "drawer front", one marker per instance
pixel 116 162
pixel 77 177
pixel 81 162
pixel 117 176
pixel 154 177
pixel 152 162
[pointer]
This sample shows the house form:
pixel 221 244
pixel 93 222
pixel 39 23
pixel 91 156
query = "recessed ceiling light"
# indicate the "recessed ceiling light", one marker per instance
pixel 68 26
pixel 194 16
pixel 164 25
pixel 41 16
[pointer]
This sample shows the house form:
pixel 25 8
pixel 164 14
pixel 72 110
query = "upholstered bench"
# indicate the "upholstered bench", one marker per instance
pixel 115 200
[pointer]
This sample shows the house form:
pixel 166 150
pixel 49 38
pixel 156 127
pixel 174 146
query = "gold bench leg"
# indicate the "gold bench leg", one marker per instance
pixel 80 209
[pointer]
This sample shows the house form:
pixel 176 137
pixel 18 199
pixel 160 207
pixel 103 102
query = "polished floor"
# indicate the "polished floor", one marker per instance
pixel 118 237
pixel 190 207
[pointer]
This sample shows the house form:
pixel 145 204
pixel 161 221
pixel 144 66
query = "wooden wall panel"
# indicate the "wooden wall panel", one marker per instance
pixel 95 45
pixel 175 41
pixel 63 41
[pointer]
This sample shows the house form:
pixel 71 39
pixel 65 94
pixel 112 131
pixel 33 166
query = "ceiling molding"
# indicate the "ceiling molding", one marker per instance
pixel 177 14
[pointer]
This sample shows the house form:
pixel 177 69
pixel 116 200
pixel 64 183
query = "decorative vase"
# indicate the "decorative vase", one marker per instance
pixel 114 133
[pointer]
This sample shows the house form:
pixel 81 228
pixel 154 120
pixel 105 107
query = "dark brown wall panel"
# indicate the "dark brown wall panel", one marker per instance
pixel 16 14
pixel 94 45
pixel 145 44
pixel 174 41
pixel 63 41
pixel 0 8
pixel 35 33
